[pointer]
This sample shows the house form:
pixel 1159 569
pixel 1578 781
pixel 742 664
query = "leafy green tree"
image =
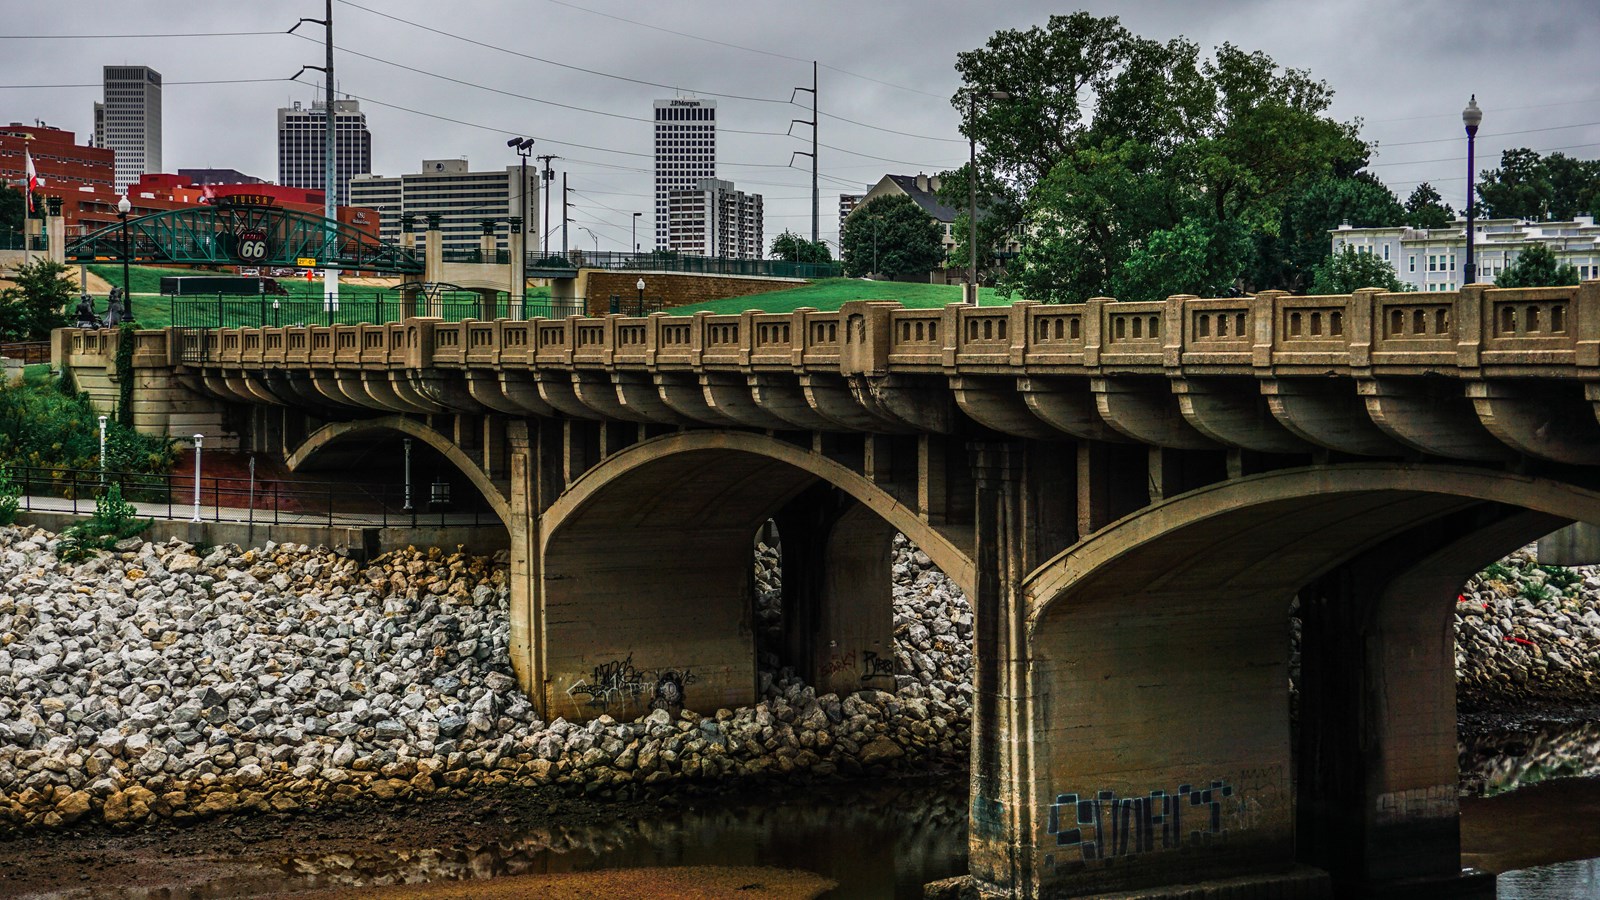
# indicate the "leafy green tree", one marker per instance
pixel 999 211
pixel 1537 266
pixel 1426 209
pixel 1285 260
pixel 890 235
pixel 1528 186
pixel 1349 271
pixel 13 207
pixel 38 303
pixel 794 248
pixel 1109 138
pixel 1198 256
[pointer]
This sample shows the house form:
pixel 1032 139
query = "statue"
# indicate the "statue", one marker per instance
pixel 114 313
pixel 86 317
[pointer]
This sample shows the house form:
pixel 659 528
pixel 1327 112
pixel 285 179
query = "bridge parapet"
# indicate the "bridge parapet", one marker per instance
pixel 1544 331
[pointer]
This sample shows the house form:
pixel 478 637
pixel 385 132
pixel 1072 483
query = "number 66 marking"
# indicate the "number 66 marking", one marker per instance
pixel 255 249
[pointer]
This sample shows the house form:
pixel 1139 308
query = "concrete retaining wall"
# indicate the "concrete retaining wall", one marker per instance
pixel 360 542
pixel 671 289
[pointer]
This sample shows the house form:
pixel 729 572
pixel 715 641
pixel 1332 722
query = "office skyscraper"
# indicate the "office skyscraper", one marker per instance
pixel 301 160
pixel 128 120
pixel 686 152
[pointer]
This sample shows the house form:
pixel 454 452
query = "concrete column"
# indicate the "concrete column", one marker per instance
pixel 526 609
pixel 433 251
pixel 1002 855
pixel 838 601
pixel 1377 715
pixel 55 226
pixel 518 270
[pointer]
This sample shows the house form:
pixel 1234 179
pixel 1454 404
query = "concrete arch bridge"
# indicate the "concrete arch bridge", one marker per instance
pixel 1132 494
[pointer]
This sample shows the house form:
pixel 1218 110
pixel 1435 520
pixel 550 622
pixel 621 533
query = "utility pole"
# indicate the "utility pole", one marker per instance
pixel 815 197
pixel 544 227
pixel 330 210
pixel 563 215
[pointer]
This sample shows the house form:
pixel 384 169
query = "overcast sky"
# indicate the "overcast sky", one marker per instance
pixel 1404 69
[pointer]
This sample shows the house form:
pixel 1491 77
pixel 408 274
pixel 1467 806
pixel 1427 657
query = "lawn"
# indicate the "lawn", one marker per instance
pixel 155 311
pixel 830 293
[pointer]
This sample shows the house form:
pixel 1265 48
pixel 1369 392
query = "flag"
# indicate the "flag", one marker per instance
pixel 32 176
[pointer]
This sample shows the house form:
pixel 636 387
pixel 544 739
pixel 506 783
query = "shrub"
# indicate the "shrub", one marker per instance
pixel 114 519
pixel 10 491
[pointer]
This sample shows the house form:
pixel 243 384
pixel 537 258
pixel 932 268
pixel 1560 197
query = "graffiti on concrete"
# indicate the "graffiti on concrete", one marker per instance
pixel 619 683
pixel 1104 826
pixel 839 662
pixel 875 666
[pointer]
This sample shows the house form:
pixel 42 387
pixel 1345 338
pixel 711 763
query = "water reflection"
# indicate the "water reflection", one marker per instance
pixel 1495 763
pixel 1578 880
pixel 876 842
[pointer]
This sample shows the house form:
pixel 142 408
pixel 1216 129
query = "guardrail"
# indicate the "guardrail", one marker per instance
pixel 265 311
pixel 27 352
pixel 700 265
pixel 263 502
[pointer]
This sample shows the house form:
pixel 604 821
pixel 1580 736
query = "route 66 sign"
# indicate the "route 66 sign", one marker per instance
pixel 252 246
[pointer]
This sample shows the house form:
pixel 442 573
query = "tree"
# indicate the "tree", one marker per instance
pixel 13 206
pixel 890 235
pixel 1537 266
pixel 38 303
pixel 794 248
pixel 1351 271
pixel 1426 209
pixel 1286 260
pixel 1109 138
pixel 1528 186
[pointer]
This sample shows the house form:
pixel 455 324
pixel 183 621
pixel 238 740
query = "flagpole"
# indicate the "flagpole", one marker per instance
pixel 28 176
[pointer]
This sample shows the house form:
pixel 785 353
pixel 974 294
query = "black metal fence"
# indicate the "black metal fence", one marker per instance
pixel 28 352
pixel 699 265
pixel 253 311
pixel 264 502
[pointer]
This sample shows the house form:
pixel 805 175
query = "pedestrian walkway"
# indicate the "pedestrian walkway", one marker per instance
pixel 175 511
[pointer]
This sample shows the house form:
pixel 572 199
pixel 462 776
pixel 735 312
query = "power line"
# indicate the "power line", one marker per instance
pixel 1496 109
pixel 95 84
pixel 925 137
pixel 124 37
pixel 551 62
pixel 1447 140
pixel 758 50
pixel 1418 162
pixel 494 90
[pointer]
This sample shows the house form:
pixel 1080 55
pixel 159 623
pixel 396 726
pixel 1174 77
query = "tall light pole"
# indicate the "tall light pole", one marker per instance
pixel 972 189
pixel 123 206
pixel 1472 117
pixel 636 231
pixel 548 173
pixel 524 148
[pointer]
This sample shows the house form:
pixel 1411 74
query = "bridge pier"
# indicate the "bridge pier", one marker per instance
pixel 838 603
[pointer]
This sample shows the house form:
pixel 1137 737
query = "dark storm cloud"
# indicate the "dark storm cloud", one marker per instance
pixel 1404 69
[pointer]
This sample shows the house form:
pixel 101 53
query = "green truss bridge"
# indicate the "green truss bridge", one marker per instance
pixel 243 235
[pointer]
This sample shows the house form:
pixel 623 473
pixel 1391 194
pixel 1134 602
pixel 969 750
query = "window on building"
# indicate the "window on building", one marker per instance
pixel 1413 263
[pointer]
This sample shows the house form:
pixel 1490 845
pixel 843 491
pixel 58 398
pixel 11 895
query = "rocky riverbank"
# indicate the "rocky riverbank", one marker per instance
pixel 1528 633
pixel 168 682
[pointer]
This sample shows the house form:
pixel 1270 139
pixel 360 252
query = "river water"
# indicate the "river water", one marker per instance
pixel 1532 813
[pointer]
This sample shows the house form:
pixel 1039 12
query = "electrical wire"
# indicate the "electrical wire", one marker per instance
pixel 505 93
pixel 1447 140
pixel 124 37
pixel 28 87
pixel 488 46
pixel 925 137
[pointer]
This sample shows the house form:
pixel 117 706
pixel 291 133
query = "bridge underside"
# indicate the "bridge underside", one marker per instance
pixel 1137 498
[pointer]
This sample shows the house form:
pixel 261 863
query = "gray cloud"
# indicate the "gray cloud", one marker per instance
pixel 1406 70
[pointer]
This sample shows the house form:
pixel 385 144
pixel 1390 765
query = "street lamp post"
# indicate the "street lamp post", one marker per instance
pixel 198 440
pixel 407 441
pixel 102 449
pixel 972 190
pixel 640 286
pixel 1472 117
pixel 123 206
pixel 636 231
pixel 524 148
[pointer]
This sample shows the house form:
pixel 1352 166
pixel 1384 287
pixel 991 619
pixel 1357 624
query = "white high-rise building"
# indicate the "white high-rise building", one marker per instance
pixel 128 120
pixel 463 200
pixel 686 153
pixel 715 220
pixel 302 158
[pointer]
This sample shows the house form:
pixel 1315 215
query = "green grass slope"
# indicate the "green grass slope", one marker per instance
pixel 830 293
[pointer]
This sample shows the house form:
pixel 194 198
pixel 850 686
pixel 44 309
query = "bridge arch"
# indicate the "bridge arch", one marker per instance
pixel 646 574
pixel 335 432
pixel 1159 666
